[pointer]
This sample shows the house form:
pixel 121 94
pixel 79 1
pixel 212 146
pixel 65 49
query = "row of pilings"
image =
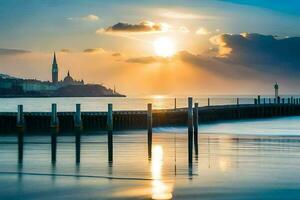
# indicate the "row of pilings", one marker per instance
pixel 40 122
pixel 76 122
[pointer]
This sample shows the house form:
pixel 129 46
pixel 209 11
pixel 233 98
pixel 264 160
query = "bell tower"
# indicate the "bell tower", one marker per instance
pixel 54 70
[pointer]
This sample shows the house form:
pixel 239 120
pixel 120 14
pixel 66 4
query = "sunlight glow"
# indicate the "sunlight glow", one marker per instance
pixel 164 47
pixel 160 190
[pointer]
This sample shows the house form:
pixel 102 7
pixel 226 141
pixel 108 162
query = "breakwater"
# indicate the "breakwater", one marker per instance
pixel 40 122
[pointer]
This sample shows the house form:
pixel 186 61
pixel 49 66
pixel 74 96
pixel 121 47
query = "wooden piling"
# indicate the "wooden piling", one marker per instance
pixel 196 120
pixel 208 101
pixel 190 130
pixel 175 103
pixel 54 130
pixel 110 132
pixel 258 99
pixel 21 130
pixel 149 126
pixel 237 101
pixel 78 129
pixel 255 101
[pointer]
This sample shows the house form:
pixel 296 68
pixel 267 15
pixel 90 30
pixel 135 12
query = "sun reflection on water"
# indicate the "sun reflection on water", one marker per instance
pixel 160 189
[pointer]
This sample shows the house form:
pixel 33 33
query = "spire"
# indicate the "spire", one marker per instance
pixel 54 70
pixel 54 59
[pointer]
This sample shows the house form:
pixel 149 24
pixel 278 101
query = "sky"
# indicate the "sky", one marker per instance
pixel 158 47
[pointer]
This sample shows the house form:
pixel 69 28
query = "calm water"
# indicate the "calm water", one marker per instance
pixel 237 160
pixel 100 103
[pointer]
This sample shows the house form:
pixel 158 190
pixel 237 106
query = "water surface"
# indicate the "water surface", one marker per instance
pixel 244 164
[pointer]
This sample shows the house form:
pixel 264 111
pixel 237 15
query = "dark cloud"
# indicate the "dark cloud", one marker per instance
pixel 214 65
pixel 145 26
pixel 12 51
pixel 94 50
pixel 260 52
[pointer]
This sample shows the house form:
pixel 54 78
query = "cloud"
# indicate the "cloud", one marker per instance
pixel 214 65
pixel 143 27
pixel 94 50
pixel 261 52
pixel 148 60
pixel 116 54
pixel 90 17
pixel 65 50
pixel 4 51
pixel 202 31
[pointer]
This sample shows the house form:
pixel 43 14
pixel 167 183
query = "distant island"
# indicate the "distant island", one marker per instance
pixel 68 87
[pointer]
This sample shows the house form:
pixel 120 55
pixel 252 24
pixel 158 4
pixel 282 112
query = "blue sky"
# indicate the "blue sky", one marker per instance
pixel 43 24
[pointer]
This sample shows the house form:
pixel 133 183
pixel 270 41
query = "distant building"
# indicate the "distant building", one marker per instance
pixel 32 85
pixel 12 86
pixel 276 87
pixel 54 70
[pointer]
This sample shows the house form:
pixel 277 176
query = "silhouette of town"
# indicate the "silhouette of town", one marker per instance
pixel 68 87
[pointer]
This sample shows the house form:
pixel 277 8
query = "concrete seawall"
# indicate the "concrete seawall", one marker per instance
pixel 40 122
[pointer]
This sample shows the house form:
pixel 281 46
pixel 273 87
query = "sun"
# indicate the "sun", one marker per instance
pixel 164 47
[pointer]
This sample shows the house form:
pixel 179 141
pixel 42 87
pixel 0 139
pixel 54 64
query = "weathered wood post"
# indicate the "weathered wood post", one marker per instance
pixel 255 101
pixel 78 129
pixel 237 101
pixel 190 130
pixel 149 126
pixel 21 130
pixel 54 130
pixel 208 101
pixel 196 128
pixel 175 103
pixel 110 132
pixel 258 99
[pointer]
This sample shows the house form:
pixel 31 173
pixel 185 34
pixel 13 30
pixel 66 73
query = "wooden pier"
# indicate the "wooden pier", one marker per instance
pixel 55 123
pixel 63 122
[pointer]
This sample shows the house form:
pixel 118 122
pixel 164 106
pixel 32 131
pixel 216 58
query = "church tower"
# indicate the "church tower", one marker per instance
pixel 54 70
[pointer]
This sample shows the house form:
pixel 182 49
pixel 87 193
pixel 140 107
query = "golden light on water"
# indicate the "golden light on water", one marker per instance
pixel 160 190
pixel 164 47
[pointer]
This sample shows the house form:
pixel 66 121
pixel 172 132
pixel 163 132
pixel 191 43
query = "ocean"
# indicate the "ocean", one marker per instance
pixel 119 103
pixel 246 159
